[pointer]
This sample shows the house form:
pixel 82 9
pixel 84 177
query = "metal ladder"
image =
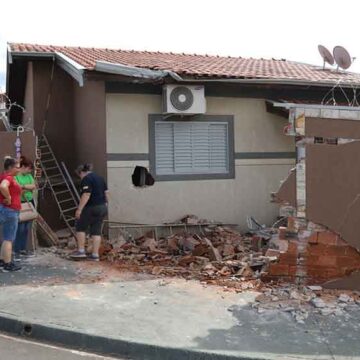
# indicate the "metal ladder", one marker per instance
pixel 56 179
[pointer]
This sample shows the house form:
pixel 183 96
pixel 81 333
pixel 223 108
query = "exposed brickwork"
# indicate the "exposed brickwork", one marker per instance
pixel 326 256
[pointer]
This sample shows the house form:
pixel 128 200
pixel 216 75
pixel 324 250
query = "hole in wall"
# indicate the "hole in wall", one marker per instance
pixel 27 329
pixel 141 177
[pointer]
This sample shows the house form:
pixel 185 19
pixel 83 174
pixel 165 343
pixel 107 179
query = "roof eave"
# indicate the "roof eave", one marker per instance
pixel 75 70
pixel 133 71
pixel 71 67
pixel 276 82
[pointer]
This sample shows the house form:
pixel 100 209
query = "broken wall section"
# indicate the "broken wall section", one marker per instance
pixel 324 194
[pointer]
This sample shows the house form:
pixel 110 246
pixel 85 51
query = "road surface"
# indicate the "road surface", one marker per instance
pixel 21 349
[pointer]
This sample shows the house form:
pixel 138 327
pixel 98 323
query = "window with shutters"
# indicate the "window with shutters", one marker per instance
pixel 191 148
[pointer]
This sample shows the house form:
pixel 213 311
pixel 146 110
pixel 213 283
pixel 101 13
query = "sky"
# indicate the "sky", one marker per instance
pixel 278 29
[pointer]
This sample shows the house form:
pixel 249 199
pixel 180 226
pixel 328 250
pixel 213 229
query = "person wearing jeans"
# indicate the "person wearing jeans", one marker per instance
pixel 27 183
pixel 10 206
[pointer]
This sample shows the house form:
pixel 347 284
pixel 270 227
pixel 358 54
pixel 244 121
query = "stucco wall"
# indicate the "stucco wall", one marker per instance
pixel 90 129
pixel 229 200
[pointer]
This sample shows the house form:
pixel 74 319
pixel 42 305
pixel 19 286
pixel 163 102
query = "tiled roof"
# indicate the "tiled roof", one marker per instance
pixel 198 65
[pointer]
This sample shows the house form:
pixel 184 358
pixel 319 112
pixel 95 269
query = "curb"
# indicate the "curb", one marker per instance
pixel 105 346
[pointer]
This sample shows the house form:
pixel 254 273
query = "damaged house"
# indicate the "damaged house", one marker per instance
pixel 211 131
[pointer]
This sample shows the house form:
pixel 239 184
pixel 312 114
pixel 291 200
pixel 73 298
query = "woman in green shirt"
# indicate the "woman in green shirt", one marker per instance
pixel 27 183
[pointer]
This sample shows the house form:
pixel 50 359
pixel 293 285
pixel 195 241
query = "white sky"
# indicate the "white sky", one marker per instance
pixel 253 28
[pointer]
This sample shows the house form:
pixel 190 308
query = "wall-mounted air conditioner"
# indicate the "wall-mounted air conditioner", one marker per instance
pixel 184 99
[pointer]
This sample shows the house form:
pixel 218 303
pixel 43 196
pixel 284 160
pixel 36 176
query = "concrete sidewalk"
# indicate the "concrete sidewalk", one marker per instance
pixel 149 318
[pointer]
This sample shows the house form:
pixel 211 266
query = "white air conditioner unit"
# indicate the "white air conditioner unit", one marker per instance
pixel 184 99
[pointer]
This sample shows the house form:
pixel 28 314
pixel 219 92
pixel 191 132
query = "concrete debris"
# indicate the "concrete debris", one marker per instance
pixel 315 287
pixel 344 298
pixel 318 302
pixel 220 255
pixel 300 301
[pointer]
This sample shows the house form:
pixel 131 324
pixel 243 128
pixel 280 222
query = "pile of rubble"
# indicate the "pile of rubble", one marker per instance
pixel 219 255
pixel 301 302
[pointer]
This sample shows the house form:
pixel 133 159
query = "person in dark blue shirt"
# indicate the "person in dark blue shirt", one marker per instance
pixel 91 211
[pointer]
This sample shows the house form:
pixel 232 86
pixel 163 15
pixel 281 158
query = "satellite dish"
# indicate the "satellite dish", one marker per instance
pixel 342 57
pixel 326 55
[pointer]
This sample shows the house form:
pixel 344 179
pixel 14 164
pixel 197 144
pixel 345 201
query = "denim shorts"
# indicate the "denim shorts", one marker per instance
pixel 9 220
pixel 92 218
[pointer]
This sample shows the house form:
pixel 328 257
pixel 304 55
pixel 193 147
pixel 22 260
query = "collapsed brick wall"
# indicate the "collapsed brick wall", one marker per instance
pixel 324 257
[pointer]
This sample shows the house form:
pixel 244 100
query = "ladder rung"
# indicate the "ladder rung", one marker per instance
pixel 46 153
pixel 52 168
pixel 43 146
pixel 64 201
pixel 69 219
pixel 54 176
pixel 59 183
pixel 71 209
pixel 46 161
pixel 61 192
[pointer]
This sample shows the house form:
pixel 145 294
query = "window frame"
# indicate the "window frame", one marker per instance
pixel 229 119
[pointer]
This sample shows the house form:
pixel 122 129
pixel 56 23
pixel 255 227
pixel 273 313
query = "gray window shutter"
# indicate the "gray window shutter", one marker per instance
pixel 219 150
pixel 191 147
pixel 164 148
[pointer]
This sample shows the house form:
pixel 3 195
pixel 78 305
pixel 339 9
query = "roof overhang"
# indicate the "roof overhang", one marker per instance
pixel 132 71
pixel 317 110
pixel 262 81
pixel 74 69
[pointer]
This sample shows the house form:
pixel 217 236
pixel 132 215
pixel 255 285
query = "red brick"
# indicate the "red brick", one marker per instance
pixel 313 239
pixel 351 251
pixel 324 272
pixel 288 259
pixel 282 233
pixel 327 238
pixel 311 259
pixel 278 270
pixel 292 247
pixel 327 261
pixel 292 270
pixel 335 273
pixel 291 223
pixel 341 242
pixel 348 262
pixel 316 249
pixel 323 250
pixel 256 243
pixel 335 250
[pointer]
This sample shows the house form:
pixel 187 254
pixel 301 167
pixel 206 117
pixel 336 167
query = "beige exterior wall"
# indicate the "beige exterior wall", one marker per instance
pixel 89 115
pixel 229 200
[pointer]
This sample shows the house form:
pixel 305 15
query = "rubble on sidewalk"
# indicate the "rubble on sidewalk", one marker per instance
pixel 302 301
pixel 219 255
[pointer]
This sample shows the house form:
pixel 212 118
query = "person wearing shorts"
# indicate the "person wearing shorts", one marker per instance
pixel 91 212
pixel 10 206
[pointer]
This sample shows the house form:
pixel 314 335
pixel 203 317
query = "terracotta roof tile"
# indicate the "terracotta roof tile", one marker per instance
pixel 198 65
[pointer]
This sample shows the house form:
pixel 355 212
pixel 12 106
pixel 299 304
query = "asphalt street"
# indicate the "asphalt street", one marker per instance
pixel 20 349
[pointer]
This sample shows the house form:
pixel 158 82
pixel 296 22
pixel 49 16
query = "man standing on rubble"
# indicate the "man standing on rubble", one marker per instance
pixel 91 211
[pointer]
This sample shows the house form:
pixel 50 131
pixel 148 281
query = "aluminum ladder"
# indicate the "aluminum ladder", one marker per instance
pixel 60 184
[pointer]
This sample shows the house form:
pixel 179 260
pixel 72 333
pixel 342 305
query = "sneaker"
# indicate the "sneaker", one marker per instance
pixel 11 266
pixel 78 255
pixel 16 257
pixel 2 263
pixel 28 254
pixel 92 257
